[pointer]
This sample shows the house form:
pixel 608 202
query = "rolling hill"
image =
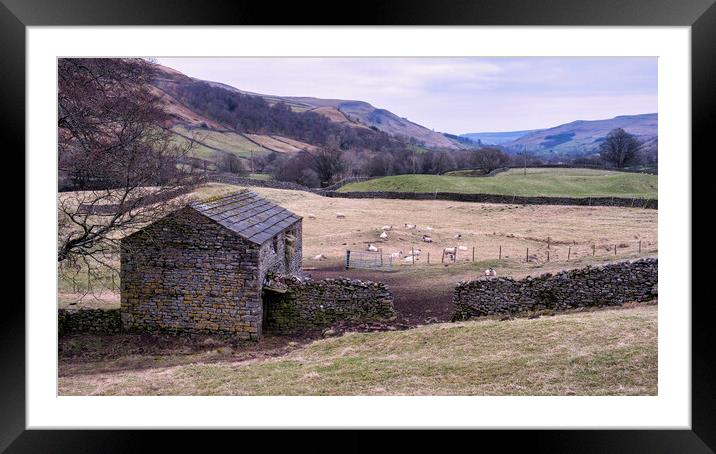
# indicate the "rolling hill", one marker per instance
pixel 537 182
pixel 579 138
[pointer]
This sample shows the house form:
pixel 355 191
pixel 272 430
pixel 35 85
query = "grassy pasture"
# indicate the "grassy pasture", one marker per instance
pixel 537 182
pixel 604 352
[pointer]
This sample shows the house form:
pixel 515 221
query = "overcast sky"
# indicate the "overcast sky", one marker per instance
pixel 455 95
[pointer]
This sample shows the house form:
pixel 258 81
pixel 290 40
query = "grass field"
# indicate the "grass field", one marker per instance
pixel 537 182
pixel 605 352
pixel 570 229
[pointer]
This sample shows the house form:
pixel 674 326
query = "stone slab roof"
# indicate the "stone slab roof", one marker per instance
pixel 248 214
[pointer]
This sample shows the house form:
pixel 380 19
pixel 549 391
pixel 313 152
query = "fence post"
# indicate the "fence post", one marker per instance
pixel 548 241
pixel 615 249
pixel 527 255
pixel 548 255
pixel 594 249
pixel 569 252
pixel 500 258
pixel 428 257
pixel 473 253
pixel 412 254
pixel 639 246
pixel 381 256
pixel 348 259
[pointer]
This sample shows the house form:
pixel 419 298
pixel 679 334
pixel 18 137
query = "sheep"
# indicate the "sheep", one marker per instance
pixel 396 255
pixel 383 236
pixel 427 239
pixel 410 259
pixel 490 272
pixel 462 248
pixel 387 227
pixel 458 236
pixel 311 216
pixel 410 226
pixel 414 252
pixel 340 215
pixel 319 257
pixel 449 250
pixel 428 228
pixel 372 248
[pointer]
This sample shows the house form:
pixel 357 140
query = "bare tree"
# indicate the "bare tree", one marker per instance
pixel 619 148
pixel 232 164
pixel 489 159
pixel 115 147
pixel 327 162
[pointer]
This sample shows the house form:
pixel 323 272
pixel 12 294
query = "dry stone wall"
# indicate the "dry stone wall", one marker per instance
pixel 308 304
pixel 496 198
pixel 606 285
pixel 101 321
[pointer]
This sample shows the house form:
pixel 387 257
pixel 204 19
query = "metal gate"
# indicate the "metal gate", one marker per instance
pixel 369 260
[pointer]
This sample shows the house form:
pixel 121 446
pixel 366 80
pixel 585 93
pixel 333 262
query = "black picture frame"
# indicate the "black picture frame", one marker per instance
pixel 700 15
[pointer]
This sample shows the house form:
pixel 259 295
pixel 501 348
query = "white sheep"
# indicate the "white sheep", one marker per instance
pixel 410 226
pixel 427 239
pixel 372 248
pixel 462 248
pixel 491 272
pixel 410 259
pixel 340 215
pixel 458 236
pixel 387 227
pixel 414 252
pixel 396 255
pixel 383 236
pixel 311 216
pixel 428 228
pixel 319 257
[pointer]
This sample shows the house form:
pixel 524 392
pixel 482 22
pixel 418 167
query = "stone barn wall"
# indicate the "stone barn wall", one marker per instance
pixel 606 285
pixel 315 304
pixel 273 255
pixel 187 273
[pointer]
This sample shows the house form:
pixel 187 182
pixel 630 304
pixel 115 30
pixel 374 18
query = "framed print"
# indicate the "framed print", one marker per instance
pixel 413 216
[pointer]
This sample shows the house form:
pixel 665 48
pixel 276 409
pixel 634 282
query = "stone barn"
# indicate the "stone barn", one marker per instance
pixel 203 267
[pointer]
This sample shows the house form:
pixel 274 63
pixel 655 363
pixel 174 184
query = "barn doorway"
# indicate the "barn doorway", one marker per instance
pixel 276 313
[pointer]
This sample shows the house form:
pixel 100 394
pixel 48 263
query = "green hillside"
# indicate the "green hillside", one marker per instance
pixel 537 182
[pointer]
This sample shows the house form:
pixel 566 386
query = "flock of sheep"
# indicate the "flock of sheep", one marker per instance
pixel 410 257
pixel 449 252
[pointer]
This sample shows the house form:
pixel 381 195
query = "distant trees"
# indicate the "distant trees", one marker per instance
pixel 113 146
pixel 619 148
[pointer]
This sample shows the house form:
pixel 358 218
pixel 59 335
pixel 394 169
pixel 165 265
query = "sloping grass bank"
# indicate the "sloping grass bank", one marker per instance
pixel 605 352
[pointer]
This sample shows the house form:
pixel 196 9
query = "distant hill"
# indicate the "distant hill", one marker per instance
pixel 582 138
pixel 498 138
pixel 358 114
